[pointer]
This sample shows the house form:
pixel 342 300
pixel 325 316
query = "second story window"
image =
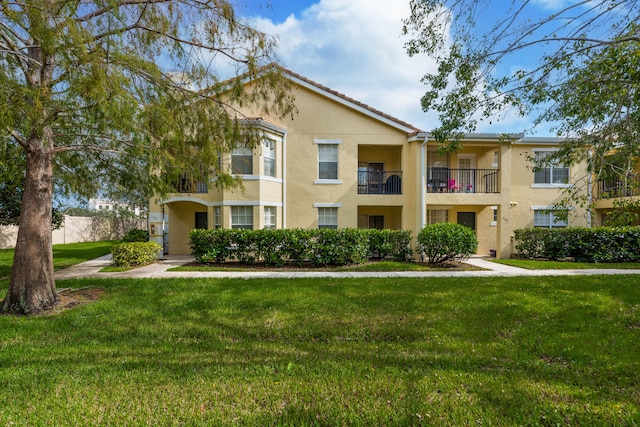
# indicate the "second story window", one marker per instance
pixel 328 161
pixel 242 161
pixel 269 157
pixel 549 172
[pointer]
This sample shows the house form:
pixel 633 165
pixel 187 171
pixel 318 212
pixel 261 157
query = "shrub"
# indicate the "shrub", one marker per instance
pixel 136 235
pixel 600 244
pixel 130 254
pixel 390 243
pixel 447 241
pixel 320 247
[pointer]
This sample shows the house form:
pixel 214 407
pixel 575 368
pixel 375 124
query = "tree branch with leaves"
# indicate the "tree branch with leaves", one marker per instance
pixel 89 94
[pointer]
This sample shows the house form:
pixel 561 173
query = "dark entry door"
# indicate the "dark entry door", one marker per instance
pixel 467 219
pixel 201 220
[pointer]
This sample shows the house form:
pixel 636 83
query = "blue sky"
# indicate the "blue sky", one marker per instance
pixel 356 47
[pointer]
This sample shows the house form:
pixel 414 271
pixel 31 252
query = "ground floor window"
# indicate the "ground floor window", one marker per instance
pixel 242 217
pixel 270 217
pixel 328 218
pixel 437 215
pixel 548 219
pixel 376 221
pixel 217 218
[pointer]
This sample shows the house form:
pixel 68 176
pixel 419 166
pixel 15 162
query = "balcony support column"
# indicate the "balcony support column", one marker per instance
pixel 504 230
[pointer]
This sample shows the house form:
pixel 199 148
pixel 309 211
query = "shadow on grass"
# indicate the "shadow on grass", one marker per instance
pixel 327 351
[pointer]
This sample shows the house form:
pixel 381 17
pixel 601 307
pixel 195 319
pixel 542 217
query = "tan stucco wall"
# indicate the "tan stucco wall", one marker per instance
pixel 79 229
pixel 297 192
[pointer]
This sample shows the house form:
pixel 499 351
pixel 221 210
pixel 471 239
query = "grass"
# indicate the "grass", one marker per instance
pixel 536 264
pixel 459 351
pixel 64 256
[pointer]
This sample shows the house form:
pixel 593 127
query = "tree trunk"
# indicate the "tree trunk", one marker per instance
pixel 32 288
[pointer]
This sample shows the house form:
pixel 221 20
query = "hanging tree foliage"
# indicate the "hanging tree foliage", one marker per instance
pixel 99 92
pixel 585 81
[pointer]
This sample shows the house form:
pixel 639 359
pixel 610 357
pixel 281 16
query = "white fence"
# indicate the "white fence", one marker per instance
pixel 80 229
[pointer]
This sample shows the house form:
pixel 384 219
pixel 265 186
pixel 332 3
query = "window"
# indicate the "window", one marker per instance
pixel 270 217
pixel 201 220
pixel 376 221
pixel 494 220
pixel 242 161
pixel 327 161
pixel 269 157
pixel 550 172
pixel 434 216
pixel 328 218
pixel 548 219
pixel 217 218
pixel 242 217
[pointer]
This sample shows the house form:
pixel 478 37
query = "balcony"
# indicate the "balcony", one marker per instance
pixel 190 183
pixel 618 188
pixel 379 182
pixel 445 180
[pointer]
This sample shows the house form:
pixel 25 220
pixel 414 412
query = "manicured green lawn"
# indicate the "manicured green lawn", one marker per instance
pixel 535 264
pixel 472 351
pixel 64 256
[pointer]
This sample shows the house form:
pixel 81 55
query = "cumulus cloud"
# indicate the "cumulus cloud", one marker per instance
pixel 356 47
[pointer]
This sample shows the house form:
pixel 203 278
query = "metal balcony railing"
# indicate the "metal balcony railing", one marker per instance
pixel 620 187
pixel 379 182
pixel 190 183
pixel 445 180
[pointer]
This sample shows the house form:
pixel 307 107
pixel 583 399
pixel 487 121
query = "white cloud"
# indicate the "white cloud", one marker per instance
pixel 356 47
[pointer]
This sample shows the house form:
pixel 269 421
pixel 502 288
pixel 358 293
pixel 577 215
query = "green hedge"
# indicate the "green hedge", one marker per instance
pixel 447 241
pixel 318 247
pixel 600 244
pixel 130 254
pixel 136 235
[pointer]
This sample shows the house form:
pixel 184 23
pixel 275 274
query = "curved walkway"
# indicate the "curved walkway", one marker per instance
pixel 159 270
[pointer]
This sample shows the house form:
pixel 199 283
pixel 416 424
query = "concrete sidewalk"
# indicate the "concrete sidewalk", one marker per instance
pixel 159 270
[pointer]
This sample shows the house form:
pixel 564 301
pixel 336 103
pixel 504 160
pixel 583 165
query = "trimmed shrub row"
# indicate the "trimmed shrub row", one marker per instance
pixel 601 244
pixel 318 247
pixel 131 254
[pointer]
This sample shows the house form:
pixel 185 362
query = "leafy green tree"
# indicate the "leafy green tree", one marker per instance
pixel 585 83
pixel 96 93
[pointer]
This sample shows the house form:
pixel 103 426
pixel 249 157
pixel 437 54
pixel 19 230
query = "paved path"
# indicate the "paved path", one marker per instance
pixel 159 270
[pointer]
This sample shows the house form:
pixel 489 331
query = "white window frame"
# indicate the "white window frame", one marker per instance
pixel 217 217
pixel 335 143
pixel 541 153
pixel 270 217
pixel 242 217
pixel 269 153
pixel 242 152
pixel 494 216
pixel 550 218
pixel 327 217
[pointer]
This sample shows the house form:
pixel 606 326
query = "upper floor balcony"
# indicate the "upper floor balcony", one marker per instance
pixel 445 180
pixel 621 187
pixel 187 182
pixel 379 182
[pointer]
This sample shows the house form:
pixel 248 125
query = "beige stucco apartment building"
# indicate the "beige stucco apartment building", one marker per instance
pixel 339 163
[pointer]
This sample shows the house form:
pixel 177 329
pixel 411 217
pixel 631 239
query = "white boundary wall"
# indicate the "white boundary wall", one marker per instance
pixel 80 229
